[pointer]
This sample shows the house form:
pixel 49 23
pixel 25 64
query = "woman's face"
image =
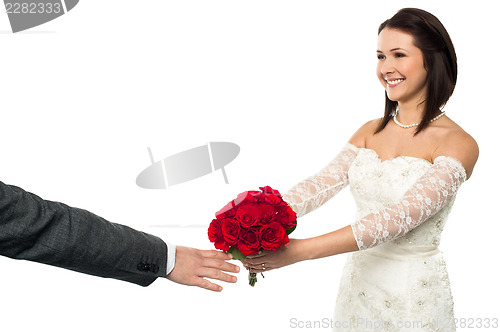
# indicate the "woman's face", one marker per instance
pixel 400 66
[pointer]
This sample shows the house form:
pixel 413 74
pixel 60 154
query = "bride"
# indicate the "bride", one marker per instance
pixel 404 171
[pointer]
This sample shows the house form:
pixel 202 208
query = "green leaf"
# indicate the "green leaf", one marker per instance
pixel 289 231
pixel 236 253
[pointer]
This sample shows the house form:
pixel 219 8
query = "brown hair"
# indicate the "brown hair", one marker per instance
pixel 440 60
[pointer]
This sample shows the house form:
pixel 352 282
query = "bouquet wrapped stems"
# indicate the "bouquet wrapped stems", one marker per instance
pixel 252 278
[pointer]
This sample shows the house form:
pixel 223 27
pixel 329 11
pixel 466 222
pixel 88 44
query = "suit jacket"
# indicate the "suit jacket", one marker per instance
pixel 53 233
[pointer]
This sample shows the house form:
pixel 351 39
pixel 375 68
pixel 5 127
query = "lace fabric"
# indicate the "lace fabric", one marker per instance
pixel 433 191
pixel 316 190
pixel 398 276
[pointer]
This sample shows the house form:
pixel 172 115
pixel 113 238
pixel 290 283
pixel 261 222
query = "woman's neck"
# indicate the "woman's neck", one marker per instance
pixel 410 113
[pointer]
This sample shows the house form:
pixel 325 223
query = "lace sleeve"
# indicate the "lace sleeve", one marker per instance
pixel 435 189
pixel 316 190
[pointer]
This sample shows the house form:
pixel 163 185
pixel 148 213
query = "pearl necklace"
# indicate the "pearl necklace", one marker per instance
pixel 414 124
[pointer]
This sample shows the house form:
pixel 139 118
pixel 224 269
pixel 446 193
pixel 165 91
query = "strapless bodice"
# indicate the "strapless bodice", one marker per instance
pixel 376 184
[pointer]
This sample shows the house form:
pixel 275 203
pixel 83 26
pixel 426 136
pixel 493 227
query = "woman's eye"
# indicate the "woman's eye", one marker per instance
pixel 380 57
pixel 399 55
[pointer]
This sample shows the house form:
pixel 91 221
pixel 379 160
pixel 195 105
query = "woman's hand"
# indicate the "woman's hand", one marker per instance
pixel 333 243
pixel 290 253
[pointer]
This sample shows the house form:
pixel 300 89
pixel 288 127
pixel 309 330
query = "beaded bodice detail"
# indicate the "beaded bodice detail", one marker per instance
pixel 393 197
pixel 398 276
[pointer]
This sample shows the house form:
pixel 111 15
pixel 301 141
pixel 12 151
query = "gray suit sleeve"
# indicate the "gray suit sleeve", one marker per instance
pixel 56 234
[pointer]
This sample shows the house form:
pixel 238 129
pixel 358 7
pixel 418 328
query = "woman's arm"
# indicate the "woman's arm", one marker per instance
pixel 427 196
pixel 297 250
pixel 316 190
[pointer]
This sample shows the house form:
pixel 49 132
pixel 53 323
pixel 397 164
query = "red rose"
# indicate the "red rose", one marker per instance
pixel 273 236
pixel 215 235
pixel 248 215
pixel 227 211
pixel 215 231
pixel 249 242
pixel 286 216
pixel 247 197
pixel 269 190
pixel 231 231
pixel 270 199
pixel 267 213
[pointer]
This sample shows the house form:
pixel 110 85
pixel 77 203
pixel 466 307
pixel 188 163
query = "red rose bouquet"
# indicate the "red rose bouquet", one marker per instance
pixel 253 221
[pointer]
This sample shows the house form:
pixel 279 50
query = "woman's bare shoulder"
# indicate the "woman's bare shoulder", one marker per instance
pixel 366 130
pixel 458 144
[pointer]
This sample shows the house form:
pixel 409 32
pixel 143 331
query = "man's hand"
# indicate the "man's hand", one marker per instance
pixel 192 266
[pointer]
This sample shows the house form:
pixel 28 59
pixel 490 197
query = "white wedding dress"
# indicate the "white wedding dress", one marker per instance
pixel 397 281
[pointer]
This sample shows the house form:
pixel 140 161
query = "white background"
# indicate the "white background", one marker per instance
pixel 83 96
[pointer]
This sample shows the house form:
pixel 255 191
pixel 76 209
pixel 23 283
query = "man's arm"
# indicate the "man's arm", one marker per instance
pixel 53 233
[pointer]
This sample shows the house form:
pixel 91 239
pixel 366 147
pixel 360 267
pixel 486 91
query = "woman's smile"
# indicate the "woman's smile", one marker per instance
pixel 400 66
pixel 394 82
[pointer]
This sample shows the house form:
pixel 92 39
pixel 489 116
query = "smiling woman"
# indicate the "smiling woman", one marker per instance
pixel 404 179
pixel 416 45
pixel 400 67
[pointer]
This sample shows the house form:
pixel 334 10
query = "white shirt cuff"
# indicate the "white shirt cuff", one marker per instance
pixel 170 257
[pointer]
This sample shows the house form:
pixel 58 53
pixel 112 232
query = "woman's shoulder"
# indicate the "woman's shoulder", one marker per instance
pixel 457 143
pixel 367 129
